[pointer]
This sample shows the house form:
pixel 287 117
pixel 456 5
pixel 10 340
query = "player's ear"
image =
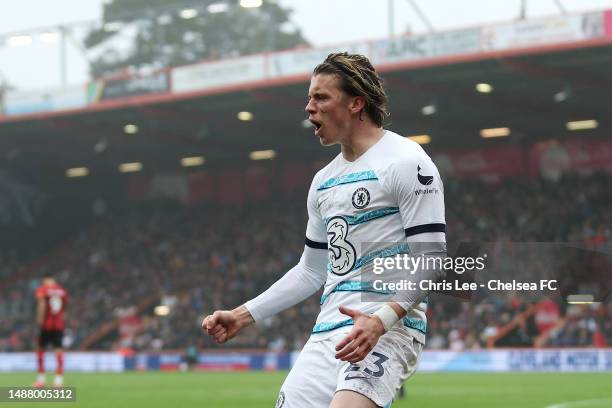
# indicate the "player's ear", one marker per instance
pixel 357 104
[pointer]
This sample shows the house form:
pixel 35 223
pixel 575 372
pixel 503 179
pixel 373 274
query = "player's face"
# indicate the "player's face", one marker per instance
pixel 328 109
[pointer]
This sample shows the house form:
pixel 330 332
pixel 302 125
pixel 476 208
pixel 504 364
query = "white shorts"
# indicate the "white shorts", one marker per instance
pixel 317 375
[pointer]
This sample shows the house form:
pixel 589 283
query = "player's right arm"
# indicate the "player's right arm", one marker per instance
pixel 300 282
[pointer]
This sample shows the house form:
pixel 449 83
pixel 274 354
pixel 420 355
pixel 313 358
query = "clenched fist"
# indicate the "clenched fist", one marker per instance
pixel 225 324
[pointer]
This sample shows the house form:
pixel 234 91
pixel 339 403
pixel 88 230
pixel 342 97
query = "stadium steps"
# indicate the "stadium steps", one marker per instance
pixel 543 338
pixel 509 327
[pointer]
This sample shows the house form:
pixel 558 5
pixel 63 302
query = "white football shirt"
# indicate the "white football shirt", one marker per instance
pixel 371 207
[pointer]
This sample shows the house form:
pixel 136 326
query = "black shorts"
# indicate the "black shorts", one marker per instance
pixel 52 337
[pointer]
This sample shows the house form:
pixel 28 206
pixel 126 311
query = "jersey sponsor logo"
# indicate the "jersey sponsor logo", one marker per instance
pixel 342 254
pixel 361 198
pixel 424 180
pixel 424 191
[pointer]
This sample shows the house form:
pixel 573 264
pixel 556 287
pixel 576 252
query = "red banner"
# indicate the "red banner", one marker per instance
pixel 491 164
pixel 201 187
pixel 608 23
pixel 138 187
pixel 230 187
pixel 234 185
pixel 296 177
pixel 552 159
pixel 257 183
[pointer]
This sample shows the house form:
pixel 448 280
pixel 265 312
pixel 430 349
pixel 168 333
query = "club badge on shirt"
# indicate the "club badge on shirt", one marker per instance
pixel 361 198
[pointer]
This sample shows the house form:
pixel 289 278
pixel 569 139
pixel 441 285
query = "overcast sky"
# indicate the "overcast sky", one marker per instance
pixel 322 21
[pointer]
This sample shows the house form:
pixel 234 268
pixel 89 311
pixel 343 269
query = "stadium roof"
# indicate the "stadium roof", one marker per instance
pixel 536 90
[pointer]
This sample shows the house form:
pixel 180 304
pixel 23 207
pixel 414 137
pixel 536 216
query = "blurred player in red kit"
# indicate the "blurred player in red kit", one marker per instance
pixel 51 301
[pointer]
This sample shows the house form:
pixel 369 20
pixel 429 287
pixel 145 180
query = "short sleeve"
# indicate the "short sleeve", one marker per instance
pixel 40 292
pixel 418 189
pixel 316 234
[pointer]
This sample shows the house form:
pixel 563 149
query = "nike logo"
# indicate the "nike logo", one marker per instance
pixel 321 201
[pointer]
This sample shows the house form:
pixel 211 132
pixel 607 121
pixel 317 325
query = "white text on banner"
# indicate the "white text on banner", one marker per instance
pixel 214 74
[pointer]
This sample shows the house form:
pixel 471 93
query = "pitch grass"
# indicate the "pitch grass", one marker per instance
pixel 259 389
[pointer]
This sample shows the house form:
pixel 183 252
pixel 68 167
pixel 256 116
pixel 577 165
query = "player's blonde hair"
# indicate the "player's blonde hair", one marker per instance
pixel 358 78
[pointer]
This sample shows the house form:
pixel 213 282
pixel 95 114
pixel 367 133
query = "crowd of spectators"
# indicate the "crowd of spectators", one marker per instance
pixel 201 258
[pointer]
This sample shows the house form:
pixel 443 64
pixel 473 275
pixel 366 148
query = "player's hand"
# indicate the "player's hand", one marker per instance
pixel 225 324
pixel 362 338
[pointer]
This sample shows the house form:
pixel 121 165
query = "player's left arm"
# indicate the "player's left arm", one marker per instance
pixel 40 309
pixel 416 185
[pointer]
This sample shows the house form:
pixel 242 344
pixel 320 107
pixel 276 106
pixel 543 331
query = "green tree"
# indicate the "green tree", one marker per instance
pixel 158 37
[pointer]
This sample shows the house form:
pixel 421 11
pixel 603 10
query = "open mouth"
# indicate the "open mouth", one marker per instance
pixel 316 124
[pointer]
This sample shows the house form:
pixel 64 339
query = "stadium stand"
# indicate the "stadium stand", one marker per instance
pixel 209 254
pixel 199 258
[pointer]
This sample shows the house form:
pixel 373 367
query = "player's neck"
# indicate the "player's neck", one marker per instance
pixel 360 140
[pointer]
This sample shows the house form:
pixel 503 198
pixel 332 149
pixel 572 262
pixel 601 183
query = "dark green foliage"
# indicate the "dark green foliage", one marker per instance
pixel 164 39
